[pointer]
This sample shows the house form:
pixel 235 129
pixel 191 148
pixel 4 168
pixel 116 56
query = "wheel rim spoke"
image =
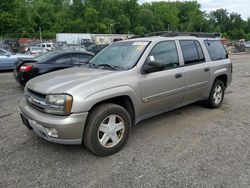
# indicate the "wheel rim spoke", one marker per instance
pixel 104 139
pixel 114 139
pixel 104 128
pixel 119 126
pixel 112 119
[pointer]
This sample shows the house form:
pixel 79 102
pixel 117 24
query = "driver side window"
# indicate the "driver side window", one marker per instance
pixel 165 53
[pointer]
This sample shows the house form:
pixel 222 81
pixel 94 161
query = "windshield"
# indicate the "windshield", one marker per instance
pixel 123 55
pixel 45 57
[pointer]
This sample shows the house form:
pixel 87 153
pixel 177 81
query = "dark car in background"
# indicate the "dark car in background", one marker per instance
pixel 48 62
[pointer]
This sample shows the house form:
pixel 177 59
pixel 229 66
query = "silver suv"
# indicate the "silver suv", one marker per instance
pixel 127 82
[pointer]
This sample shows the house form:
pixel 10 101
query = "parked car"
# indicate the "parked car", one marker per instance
pixel 35 51
pixel 46 46
pixel 48 62
pixel 8 60
pixel 247 44
pixel 125 83
pixel 96 48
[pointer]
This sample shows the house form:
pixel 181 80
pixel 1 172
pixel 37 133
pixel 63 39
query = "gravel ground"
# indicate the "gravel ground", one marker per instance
pixel 189 147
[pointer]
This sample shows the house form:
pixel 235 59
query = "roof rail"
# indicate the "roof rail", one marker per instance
pixel 195 34
pixel 157 33
pixel 175 34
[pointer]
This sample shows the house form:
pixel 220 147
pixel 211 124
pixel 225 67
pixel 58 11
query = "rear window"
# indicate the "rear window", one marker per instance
pixel 216 50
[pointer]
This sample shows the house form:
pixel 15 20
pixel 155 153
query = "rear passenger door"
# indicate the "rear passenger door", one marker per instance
pixel 197 71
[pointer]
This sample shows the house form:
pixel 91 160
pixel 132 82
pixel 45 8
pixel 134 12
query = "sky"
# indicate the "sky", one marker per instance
pixel 240 6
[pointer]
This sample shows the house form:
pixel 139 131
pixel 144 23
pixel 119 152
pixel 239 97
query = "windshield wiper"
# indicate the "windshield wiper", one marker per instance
pixel 108 65
pixel 88 63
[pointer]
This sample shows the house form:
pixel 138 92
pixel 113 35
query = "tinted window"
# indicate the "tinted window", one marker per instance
pixel 164 52
pixel 215 50
pixel 46 56
pixel 48 45
pixel 66 59
pixel 80 58
pixel 189 51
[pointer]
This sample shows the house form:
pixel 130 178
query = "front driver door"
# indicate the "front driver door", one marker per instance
pixel 162 90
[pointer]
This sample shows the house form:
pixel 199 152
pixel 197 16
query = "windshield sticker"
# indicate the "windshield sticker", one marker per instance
pixel 152 58
pixel 140 43
pixel 140 47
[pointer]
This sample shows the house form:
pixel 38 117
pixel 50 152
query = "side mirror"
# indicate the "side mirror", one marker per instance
pixel 152 66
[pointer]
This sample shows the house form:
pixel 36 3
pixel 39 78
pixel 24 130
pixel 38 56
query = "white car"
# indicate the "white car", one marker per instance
pixel 46 46
pixel 35 51
pixel 247 44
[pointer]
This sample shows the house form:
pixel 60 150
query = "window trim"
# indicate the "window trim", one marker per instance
pixel 201 51
pixel 178 57
pixel 197 63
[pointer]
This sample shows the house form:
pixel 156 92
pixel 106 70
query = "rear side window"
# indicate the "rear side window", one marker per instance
pixel 192 52
pixel 216 50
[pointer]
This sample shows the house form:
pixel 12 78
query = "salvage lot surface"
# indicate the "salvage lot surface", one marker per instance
pixel 189 147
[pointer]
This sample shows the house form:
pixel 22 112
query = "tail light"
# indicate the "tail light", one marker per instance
pixel 25 68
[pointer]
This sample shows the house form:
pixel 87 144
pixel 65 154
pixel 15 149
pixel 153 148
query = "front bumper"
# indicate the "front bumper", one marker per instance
pixel 69 128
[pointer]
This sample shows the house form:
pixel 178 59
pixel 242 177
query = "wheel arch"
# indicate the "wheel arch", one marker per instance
pixel 223 78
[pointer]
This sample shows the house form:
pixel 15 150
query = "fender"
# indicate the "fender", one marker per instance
pixel 124 90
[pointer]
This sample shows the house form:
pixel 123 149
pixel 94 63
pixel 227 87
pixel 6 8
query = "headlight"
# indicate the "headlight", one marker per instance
pixel 58 104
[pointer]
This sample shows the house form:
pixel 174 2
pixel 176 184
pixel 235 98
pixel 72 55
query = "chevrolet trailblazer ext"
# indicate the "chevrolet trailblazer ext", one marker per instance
pixel 128 81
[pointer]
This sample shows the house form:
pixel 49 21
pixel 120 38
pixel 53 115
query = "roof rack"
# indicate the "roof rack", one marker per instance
pixel 158 33
pixel 195 34
pixel 175 34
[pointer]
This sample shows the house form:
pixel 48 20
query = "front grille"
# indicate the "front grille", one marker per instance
pixel 35 99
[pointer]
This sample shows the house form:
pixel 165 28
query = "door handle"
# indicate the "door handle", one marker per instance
pixel 206 69
pixel 179 75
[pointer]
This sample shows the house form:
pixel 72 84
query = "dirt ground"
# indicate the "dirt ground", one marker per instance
pixel 189 147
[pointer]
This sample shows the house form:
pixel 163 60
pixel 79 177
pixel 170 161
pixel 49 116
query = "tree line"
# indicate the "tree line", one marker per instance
pixel 22 18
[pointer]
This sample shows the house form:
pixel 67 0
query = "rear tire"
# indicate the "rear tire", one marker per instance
pixel 216 96
pixel 107 129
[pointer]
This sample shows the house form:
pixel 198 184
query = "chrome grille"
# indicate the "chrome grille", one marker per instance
pixel 36 100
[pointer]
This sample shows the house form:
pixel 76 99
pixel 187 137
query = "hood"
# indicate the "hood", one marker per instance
pixel 67 80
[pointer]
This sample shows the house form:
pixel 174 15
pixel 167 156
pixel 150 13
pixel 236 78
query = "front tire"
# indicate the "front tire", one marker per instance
pixel 107 129
pixel 216 96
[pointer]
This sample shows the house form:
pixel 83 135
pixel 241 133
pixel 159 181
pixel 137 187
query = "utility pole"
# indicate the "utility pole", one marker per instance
pixel 1 42
pixel 201 27
pixel 211 26
pixel 40 32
